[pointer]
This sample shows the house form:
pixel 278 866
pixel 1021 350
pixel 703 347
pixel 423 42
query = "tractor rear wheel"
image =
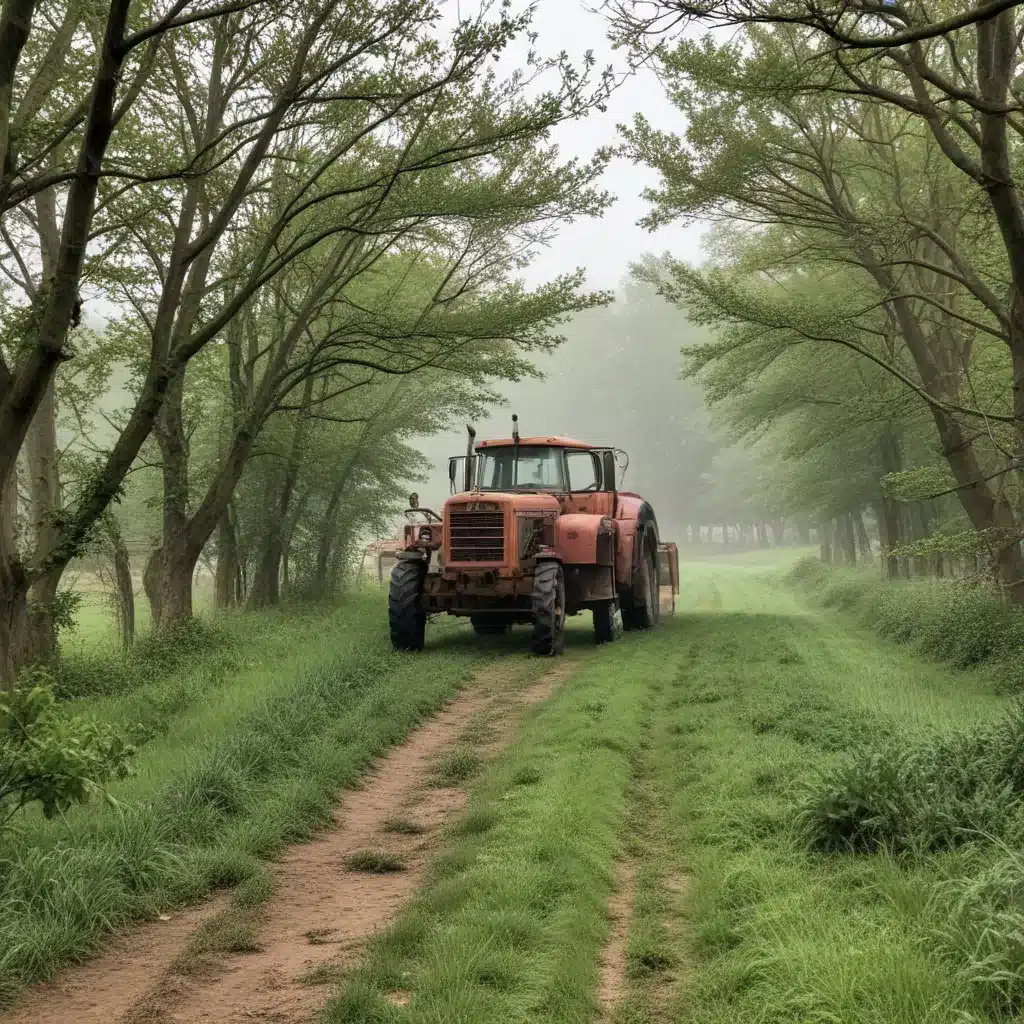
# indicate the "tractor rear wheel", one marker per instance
pixel 406 617
pixel 642 612
pixel 485 626
pixel 548 609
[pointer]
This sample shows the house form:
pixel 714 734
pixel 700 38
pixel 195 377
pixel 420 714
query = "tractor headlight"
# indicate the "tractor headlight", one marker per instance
pixel 426 535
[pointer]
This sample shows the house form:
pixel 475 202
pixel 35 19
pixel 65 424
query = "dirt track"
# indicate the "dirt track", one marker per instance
pixel 320 912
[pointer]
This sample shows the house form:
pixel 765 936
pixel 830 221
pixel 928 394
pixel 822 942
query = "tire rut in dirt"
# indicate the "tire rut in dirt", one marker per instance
pixel 321 911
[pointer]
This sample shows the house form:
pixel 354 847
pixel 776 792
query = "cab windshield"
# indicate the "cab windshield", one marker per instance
pixel 537 469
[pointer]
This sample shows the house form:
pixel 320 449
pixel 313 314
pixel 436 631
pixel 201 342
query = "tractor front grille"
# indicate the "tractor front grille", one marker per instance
pixel 476 537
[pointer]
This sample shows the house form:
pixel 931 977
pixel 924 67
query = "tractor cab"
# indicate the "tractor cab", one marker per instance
pixel 557 465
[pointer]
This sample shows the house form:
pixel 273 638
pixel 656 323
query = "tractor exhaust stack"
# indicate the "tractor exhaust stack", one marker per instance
pixel 468 475
pixel 515 450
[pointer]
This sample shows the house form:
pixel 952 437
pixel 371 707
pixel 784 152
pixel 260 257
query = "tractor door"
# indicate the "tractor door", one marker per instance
pixel 586 477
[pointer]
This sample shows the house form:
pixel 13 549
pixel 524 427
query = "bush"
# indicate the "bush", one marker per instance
pixel 945 620
pixel 50 758
pixel 928 797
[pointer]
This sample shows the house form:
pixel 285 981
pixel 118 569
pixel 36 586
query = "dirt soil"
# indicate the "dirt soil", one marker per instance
pixel 321 911
pixel 612 978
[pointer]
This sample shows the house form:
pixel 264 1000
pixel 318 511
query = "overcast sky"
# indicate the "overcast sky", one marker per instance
pixel 604 247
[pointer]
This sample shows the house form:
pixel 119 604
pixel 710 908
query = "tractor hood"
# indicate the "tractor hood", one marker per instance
pixel 521 501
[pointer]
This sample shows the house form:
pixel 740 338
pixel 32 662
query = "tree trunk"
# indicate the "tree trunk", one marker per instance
pixel 849 538
pixel 13 590
pixel 167 577
pixel 824 541
pixel 225 589
pixel 44 498
pixel 167 580
pixel 124 590
pixel 863 540
pixel 803 531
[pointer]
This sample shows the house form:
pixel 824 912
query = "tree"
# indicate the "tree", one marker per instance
pixel 857 196
pixel 217 147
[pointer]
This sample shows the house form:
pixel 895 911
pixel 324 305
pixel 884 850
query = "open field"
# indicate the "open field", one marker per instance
pixel 637 833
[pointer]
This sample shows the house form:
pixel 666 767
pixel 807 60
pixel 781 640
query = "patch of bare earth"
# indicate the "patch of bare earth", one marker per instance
pixel 612 978
pixel 321 911
pixel 104 989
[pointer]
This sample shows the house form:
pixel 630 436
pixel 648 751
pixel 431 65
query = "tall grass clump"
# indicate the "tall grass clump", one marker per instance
pixel 944 620
pixel 107 669
pixel 924 797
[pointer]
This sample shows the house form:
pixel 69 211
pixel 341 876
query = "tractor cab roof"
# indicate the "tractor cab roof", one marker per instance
pixel 535 442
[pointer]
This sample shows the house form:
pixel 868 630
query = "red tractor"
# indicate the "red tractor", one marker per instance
pixel 539 532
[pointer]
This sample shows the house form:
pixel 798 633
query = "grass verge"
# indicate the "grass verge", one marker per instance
pixel 736 918
pixel 941 620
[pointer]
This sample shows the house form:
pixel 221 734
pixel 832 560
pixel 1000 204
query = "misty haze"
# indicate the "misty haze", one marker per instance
pixel 689 690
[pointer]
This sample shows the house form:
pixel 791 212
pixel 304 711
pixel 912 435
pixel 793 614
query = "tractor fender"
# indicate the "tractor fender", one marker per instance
pixel 582 539
pixel 411 555
pixel 637 530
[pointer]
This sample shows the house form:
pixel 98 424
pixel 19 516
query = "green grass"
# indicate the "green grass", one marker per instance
pixel 736 918
pixel 455 767
pixel 404 826
pixel 235 763
pixel 966 627
pixel 511 918
pixel 375 862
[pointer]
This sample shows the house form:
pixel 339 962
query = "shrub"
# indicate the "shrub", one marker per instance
pixel 931 796
pixel 48 757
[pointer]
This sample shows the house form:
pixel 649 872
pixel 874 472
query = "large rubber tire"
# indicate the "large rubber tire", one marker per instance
pixel 483 626
pixel 606 628
pixel 643 611
pixel 406 617
pixel 548 609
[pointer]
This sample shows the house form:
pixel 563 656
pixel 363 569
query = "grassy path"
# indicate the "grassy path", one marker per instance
pixel 630 856
pixel 239 762
pixel 670 767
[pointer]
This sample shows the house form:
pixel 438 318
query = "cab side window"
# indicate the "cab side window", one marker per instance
pixel 583 471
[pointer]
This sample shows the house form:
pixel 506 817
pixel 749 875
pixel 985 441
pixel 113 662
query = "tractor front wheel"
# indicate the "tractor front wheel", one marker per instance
pixel 548 609
pixel 484 626
pixel 406 617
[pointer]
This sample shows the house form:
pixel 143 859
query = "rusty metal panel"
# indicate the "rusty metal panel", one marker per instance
pixel 576 538
pixel 587 583
pixel 624 552
pixel 668 566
